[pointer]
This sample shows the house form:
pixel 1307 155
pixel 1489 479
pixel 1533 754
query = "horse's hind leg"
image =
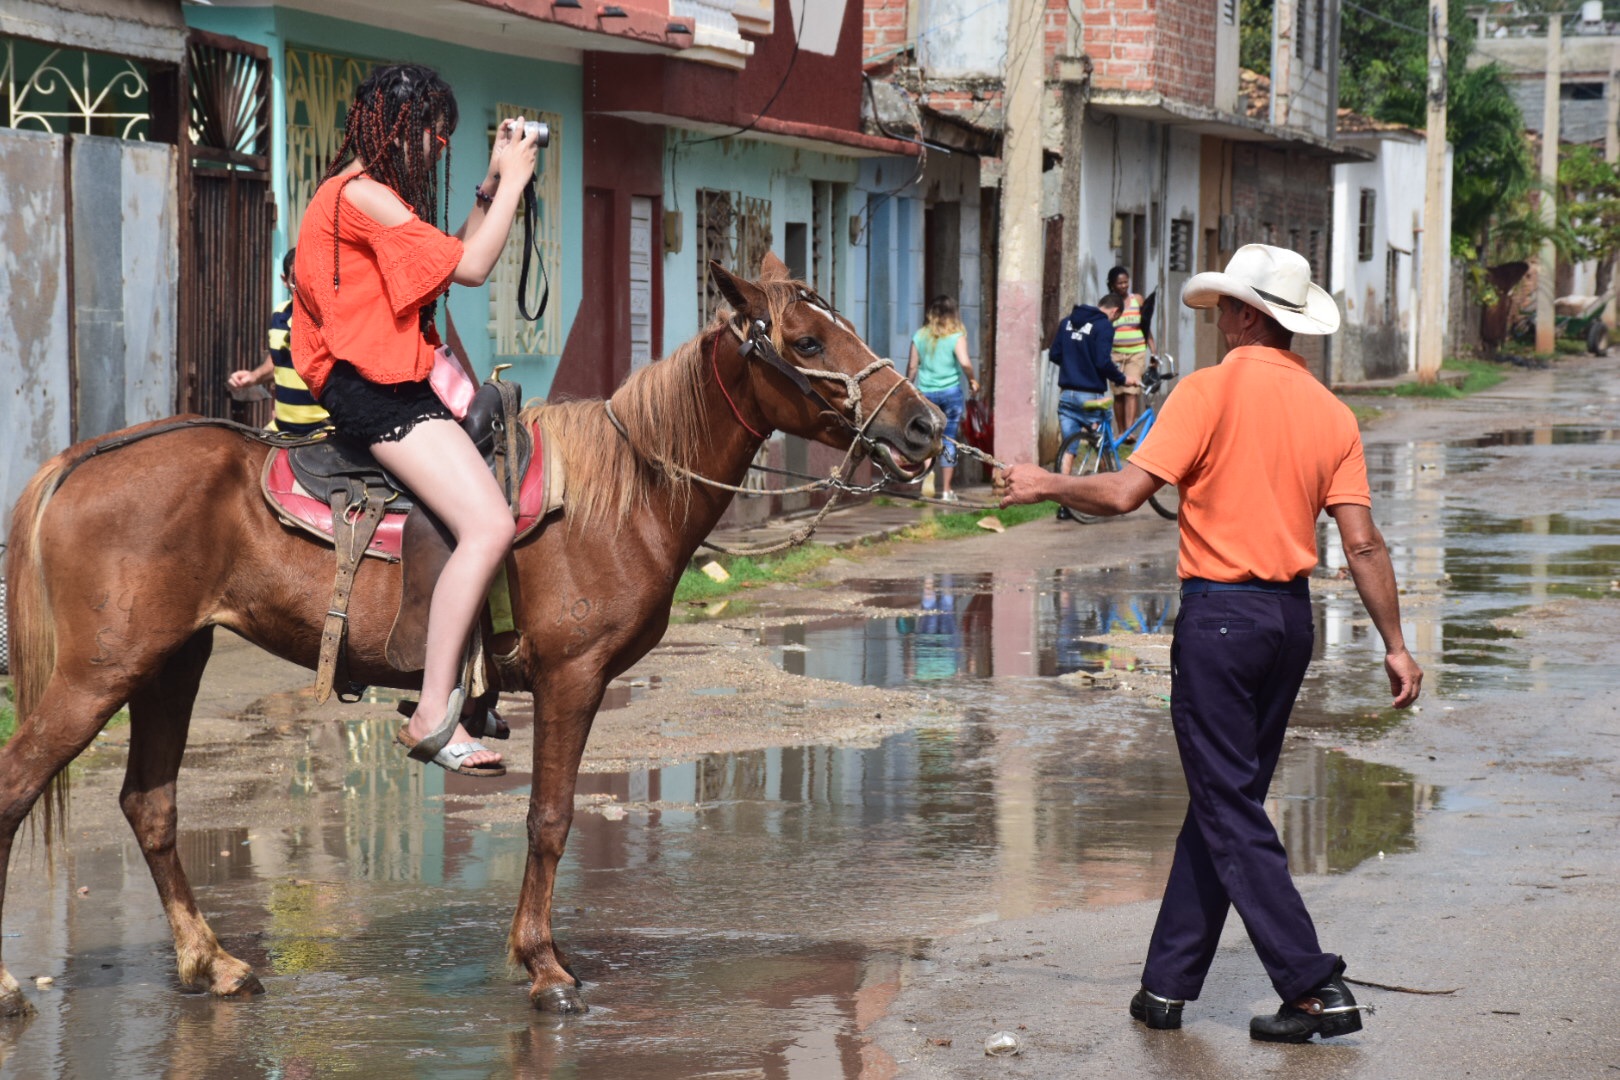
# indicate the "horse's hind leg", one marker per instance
pixel 159 719
pixel 47 739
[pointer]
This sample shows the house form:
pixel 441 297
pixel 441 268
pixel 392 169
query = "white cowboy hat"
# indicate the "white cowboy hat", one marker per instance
pixel 1273 279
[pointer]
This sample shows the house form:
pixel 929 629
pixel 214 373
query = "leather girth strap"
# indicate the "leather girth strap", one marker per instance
pixel 353 525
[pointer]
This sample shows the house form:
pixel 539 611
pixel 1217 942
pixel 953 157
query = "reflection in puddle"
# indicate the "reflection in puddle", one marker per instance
pixel 627 688
pixel 982 625
pixel 1554 435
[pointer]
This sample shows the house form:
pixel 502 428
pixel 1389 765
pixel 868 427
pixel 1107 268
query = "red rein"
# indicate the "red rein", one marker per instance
pixel 714 356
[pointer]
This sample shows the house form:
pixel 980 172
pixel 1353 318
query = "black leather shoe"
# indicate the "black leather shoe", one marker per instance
pixel 1160 1014
pixel 1328 1010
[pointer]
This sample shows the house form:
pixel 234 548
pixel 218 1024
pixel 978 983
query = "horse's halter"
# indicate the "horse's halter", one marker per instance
pixel 756 344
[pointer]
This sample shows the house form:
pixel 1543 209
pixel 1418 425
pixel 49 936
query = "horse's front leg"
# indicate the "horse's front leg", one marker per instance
pixel 565 703
pixel 159 719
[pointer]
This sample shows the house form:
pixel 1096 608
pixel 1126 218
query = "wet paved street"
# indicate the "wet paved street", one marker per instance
pixel 756 914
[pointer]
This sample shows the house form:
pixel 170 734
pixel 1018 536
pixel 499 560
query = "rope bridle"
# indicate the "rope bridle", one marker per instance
pixel 755 344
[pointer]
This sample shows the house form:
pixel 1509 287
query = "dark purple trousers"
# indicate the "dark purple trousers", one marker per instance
pixel 1236 665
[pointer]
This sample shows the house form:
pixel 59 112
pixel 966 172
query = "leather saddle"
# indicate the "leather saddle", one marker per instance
pixel 298 481
pixel 337 492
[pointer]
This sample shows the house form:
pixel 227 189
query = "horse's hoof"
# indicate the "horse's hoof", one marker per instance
pixel 245 987
pixel 563 1000
pixel 12 1002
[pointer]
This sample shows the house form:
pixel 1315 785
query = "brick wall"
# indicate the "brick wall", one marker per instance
pixel 1280 197
pixel 1166 46
pixel 883 26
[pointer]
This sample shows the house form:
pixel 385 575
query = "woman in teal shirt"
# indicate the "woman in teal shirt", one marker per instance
pixel 939 362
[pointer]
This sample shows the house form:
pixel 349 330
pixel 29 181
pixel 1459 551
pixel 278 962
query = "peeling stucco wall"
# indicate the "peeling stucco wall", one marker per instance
pixel 34 387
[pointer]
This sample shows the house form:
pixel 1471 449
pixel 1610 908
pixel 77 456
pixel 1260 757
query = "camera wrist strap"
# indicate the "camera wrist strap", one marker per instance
pixel 531 249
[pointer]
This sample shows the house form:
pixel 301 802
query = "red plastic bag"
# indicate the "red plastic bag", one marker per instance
pixel 978 426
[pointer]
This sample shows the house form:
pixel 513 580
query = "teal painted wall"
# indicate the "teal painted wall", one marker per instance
pixel 756 169
pixel 480 79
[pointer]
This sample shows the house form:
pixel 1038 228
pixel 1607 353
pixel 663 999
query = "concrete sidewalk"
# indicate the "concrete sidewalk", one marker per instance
pixel 848 526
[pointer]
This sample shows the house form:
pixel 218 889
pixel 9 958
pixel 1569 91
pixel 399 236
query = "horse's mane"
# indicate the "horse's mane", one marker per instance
pixel 662 408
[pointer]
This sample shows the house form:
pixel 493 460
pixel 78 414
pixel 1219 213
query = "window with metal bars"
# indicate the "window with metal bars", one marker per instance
pixel 1321 34
pixel 1392 279
pixel 734 230
pixel 1364 230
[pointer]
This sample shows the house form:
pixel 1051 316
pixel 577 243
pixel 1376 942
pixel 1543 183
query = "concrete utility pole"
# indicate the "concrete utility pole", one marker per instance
pixel 1547 272
pixel 1018 283
pixel 1431 326
pixel 1611 154
pixel 1284 24
pixel 1074 72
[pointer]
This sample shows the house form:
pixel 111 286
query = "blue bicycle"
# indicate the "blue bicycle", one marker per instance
pixel 1096 449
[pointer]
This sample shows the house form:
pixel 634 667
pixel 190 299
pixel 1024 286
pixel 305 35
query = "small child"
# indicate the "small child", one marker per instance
pixel 297 412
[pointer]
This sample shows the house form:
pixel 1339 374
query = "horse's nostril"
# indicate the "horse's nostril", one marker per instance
pixel 924 429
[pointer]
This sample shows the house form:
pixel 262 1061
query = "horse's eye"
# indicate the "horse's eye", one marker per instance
pixel 809 346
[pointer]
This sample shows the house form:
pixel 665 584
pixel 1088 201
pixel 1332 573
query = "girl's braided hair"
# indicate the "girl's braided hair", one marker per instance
pixel 391 110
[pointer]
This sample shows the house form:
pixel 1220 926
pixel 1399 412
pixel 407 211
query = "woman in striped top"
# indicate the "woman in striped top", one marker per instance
pixel 1133 344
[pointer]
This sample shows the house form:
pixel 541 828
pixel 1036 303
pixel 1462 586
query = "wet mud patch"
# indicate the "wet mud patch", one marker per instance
pixel 716 694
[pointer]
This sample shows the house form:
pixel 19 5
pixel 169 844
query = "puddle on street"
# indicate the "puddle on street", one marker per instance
pixel 380 915
pixel 746 915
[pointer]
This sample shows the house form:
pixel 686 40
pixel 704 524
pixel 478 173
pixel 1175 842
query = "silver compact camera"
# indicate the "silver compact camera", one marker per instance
pixel 539 129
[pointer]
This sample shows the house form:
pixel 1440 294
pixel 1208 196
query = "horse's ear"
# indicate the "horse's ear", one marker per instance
pixel 773 269
pixel 745 298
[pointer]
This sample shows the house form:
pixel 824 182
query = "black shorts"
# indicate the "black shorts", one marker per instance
pixel 368 412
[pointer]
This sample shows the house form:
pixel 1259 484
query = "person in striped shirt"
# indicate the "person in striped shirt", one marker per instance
pixel 1133 344
pixel 297 412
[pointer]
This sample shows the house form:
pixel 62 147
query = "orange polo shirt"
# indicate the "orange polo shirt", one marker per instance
pixel 386 275
pixel 1257 447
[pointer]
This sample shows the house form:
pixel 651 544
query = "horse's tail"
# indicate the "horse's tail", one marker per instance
pixel 32 630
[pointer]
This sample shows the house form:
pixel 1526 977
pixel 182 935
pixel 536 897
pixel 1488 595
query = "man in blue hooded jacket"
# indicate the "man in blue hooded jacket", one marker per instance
pixel 1083 349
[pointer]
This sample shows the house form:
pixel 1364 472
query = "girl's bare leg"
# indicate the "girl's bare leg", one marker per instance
pixel 440 465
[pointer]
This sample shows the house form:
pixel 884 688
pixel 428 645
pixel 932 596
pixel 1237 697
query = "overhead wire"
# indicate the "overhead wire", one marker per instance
pixel 798 39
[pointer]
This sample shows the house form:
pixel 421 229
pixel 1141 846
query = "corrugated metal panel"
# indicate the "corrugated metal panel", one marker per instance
pixel 151 266
pixel 125 258
pixel 96 167
pixel 34 337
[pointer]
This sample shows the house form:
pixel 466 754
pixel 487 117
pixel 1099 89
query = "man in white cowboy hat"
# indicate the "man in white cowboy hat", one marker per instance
pixel 1257 448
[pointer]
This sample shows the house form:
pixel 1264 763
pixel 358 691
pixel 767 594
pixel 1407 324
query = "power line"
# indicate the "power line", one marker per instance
pixel 798 37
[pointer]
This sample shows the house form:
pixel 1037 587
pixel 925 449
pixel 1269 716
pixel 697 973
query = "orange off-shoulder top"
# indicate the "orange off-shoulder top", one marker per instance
pixel 371 319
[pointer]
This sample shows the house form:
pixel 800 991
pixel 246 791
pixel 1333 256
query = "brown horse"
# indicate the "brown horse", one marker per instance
pixel 121 565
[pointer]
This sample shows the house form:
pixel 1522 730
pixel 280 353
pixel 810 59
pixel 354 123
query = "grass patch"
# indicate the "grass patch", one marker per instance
pixel 8 713
pixel 1477 375
pixel 1569 347
pixel 749 572
pixel 965 523
pixel 1366 414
